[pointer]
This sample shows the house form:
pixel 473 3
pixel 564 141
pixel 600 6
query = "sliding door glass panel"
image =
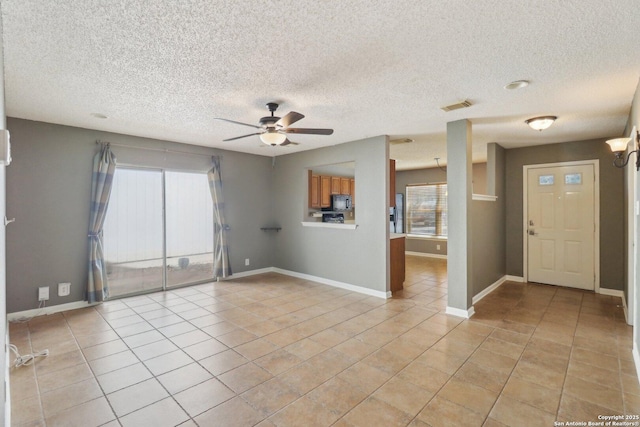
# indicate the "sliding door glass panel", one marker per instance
pixel 189 216
pixel 133 243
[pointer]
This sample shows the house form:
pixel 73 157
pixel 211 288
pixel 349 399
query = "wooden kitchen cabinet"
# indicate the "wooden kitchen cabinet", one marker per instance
pixel 322 187
pixel 397 264
pixel 345 188
pixel 335 185
pixel 314 190
pixel 325 191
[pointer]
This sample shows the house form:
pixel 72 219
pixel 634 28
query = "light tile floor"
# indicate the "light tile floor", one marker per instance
pixel 272 350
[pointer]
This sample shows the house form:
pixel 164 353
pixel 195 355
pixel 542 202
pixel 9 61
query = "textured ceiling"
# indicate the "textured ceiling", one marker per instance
pixel 164 68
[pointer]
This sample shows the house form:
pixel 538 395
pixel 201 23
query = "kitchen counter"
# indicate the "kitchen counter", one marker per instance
pixel 396 235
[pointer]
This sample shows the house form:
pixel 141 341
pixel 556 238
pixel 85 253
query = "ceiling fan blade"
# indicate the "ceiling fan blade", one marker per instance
pixel 309 131
pixel 289 119
pixel 287 142
pixel 243 136
pixel 238 123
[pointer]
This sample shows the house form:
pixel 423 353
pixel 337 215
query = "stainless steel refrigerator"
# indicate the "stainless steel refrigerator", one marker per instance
pixel 396 215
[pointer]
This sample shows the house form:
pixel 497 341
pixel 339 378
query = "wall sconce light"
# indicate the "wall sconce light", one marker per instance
pixel 619 146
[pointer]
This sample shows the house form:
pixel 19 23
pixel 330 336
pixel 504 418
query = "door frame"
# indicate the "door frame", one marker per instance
pixel 631 177
pixel 596 206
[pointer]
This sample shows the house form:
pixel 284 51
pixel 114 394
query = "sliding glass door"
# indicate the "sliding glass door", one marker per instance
pixel 158 231
pixel 133 243
pixel 189 213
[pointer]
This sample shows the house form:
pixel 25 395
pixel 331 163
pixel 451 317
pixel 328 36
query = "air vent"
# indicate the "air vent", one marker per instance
pixel 464 104
pixel 401 141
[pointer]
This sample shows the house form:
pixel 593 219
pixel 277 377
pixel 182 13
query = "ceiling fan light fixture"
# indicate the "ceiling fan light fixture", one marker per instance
pixel 540 123
pixel 273 137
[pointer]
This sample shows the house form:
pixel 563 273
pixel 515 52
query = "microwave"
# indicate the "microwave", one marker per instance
pixel 341 202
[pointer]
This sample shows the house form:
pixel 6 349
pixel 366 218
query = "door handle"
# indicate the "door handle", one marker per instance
pixel 532 232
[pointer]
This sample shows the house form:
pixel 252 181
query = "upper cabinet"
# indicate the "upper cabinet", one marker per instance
pixel 314 190
pixel 345 188
pixel 335 185
pixel 321 187
pixel 325 191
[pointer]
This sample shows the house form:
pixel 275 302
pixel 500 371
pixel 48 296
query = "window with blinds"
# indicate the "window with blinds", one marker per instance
pixel 426 210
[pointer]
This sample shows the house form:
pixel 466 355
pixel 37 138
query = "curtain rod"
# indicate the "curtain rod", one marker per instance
pixel 162 150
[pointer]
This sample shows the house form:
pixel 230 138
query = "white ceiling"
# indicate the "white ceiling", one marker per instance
pixel 164 68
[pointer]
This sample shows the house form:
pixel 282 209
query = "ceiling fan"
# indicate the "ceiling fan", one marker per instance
pixel 274 130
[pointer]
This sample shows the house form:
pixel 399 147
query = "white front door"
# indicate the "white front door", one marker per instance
pixel 561 226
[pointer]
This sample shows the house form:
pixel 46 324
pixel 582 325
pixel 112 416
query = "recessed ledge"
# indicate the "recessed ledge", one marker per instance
pixel 485 197
pixel 330 225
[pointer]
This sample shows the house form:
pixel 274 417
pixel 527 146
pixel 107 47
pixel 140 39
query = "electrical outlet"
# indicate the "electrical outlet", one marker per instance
pixel 64 289
pixel 246 261
pixel 43 293
pixel 437 247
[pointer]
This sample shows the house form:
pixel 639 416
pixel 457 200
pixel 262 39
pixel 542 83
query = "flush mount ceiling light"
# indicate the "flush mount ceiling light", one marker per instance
pixel 619 146
pixel 540 123
pixel 273 137
pixel 518 84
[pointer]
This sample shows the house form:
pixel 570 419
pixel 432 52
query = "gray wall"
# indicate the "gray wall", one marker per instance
pixel 612 242
pixel 357 257
pixel 48 191
pixel 4 409
pixel 489 231
pixel 429 176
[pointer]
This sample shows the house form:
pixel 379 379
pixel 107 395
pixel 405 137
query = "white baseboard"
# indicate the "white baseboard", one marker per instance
pixel 636 359
pixel 249 273
pixel 460 312
pixel 48 310
pixel 489 289
pixel 611 292
pixel 626 312
pixel 510 278
pixel 334 283
pixel 426 254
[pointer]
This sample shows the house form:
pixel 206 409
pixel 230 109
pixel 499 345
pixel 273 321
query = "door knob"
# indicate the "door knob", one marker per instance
pixel 532 232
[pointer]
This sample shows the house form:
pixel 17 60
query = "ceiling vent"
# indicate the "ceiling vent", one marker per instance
pixel 401 141
pixel 464 104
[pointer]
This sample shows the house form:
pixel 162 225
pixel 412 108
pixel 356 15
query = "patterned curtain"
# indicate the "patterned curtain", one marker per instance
pixel 221 264
pixel 104 166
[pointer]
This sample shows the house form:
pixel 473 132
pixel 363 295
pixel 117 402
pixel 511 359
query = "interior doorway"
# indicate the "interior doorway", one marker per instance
pixel 561 223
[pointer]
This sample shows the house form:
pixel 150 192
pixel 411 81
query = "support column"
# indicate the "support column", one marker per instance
pixel 460 193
